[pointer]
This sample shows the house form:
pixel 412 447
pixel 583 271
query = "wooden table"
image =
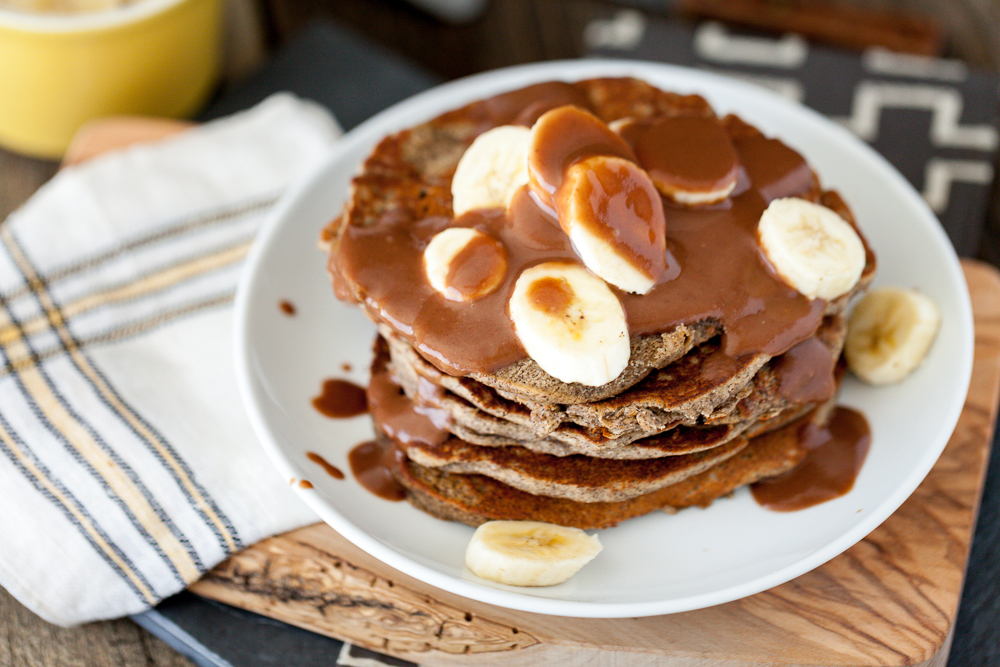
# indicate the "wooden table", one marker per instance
pixel 511 32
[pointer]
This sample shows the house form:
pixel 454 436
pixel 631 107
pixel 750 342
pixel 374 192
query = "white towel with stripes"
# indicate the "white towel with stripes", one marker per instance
pixel 127 464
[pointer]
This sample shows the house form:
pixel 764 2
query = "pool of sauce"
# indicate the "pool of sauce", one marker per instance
pixel 340 399
pixel 550 295
pixel 477 268
pixel 371 464
pixel 713 268
pixel 835 452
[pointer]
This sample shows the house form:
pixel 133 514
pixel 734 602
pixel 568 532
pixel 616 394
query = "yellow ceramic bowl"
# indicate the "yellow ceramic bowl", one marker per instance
pixel 57 71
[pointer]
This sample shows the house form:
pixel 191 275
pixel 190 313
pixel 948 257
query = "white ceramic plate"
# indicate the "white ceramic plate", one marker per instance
pixel 655 564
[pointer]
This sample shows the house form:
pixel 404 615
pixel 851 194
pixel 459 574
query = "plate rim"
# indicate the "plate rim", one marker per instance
pixel 468 88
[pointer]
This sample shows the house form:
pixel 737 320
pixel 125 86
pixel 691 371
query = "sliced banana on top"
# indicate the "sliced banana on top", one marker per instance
pixel 691 159
pixel 889 333
pixel 529 553
pixel 571 323
pixel 563 136
pixel 464 264
pixel 612 213
pixel 491 169
pixel 812 248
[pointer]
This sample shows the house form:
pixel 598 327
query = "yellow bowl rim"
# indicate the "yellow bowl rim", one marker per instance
pixel 61 22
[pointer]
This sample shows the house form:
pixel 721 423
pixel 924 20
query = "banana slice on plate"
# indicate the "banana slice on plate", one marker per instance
pixel 812 248
pixel 491 169
pixel 889 333
pixel 571 323
pixel 529 553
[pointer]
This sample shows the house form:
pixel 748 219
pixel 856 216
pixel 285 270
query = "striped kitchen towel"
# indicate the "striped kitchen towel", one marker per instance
pixel 127 464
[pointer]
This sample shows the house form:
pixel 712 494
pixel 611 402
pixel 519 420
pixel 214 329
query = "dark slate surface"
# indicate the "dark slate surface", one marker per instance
pixel 356 79
pixel 335 67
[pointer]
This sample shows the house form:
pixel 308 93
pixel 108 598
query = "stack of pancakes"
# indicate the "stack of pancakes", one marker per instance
pixel 682 425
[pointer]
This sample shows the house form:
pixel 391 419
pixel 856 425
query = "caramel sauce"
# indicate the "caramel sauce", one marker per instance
pixel 525 105
pixel 329 468
pixel 287 307
pixel 691 153
pixel 774 169
pixel 713 271
pixel 834 455
pixel 371 465
pixel 396 416
pixel 340 399
pixel 550 295
pixel 478 268
pixel 305 484
pixel 806 372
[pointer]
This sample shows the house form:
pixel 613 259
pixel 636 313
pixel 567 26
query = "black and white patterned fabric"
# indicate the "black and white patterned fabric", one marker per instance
pixel 935 120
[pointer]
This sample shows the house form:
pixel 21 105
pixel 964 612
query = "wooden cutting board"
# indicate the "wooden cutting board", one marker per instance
pixel 891 599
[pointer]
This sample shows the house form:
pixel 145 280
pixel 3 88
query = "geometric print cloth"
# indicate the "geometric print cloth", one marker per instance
pixel 934 120
pixel 127 464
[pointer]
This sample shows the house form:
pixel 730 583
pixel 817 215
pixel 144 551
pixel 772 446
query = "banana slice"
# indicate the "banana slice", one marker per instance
pixel 571 323
pixel 529 553
pixel 691 159
pixel 491 169
pixel 464 264
pixel 889 333
pixel 612 213
pixel 561 137
pixel 812 248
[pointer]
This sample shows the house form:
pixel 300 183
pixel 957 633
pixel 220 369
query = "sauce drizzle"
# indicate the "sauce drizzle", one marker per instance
pixel 835 452
pixel 340 399
pixel 371 465
pixel 331 470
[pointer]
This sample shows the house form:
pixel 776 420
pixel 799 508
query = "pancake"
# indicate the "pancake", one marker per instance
pixel 489 419
pixel 428 440
pixel 576 477
pixel 727 362
pixel 475 499
pixel 402 197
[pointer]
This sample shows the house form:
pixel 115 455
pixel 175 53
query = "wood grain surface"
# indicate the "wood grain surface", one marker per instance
pixel 891 599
